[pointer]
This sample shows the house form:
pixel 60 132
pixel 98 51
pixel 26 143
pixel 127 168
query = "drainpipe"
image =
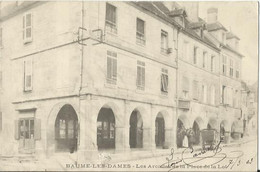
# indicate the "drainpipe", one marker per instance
pixel 81 71
pixel 177 80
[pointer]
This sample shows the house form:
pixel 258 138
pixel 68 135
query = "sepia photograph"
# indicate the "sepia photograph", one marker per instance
pixel 129 86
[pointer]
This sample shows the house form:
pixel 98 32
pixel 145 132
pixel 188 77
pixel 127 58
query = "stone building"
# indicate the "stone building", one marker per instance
pixel 84 77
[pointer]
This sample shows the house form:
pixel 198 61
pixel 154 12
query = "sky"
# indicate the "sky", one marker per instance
pixel 242 19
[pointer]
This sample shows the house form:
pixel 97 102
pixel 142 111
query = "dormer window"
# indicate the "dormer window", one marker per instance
pixel 223 37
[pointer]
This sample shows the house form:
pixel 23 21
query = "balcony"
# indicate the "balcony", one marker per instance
pixel 184 104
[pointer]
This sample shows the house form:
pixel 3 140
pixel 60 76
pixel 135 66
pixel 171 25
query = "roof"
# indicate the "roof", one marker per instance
pixel 196 25
pixel 231 35
pixel 177 12
pixel 215 26
pixel 161 11
pixel 233 50
pixel 12 8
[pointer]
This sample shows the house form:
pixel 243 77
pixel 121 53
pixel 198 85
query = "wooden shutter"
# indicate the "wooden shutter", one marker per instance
pixel 37 129
pixel 139 76
pixel 143 76
pixel 16 130
pixel 109 68
pixel 166 82
pixel 27 27
pixel 114 64
pixel 28 67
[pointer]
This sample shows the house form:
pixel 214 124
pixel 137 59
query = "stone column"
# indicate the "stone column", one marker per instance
pixel 147 138
pixel 168 138
pixel 120 139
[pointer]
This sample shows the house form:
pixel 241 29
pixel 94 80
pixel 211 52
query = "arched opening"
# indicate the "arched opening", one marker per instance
pixel 136 130
pixel 181 133
pixel 196 130
pixel 159 131
pixel 66 129
pixel 106 129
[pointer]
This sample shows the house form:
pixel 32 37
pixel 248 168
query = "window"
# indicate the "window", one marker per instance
pixel 224 38
pixel 204 59
pixel 140 83
pixel 27 28
pixel 185 49
pixel 195 55
pixel 212 64
pixel 231 68
pixel 195 90
pixel 164 41
pixel 223 94
pixel 185 88
pixel 237 70
pixel 140 31
pixel 26 128
pixel 28 72
pixel 204 93
pixel 224 64
pixel 164 81
pixel 111 67
pixel 212 95
pixel 111 18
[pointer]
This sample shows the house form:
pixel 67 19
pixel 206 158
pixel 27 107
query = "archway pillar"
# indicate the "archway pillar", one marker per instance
pixel 169 142
pixel 148 139
pixel 121 138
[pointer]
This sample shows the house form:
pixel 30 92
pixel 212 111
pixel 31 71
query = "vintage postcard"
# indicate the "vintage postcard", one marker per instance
pixel 128 86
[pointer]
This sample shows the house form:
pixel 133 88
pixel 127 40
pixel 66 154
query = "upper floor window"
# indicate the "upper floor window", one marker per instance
pixel 1 121
pixel 140 82
pixel 212 95
pixel 212 64
pixel 224 38
pixel 195 51
pixel 231 68
pixel 237 70
pixel 111 67
pixel 185 88
pixel 204 60
pixel 223 94
pixel 164 41
pixel 28 72
pixel 204 93
pixel 224 64
pixel 111 18
pixel 140 31
pixel 164 81
pixel 27 28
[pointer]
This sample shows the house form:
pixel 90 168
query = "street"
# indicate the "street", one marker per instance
pixel 232 157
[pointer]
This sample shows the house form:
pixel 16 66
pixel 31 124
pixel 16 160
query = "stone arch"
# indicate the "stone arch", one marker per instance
pixel 136 123
pixel 50 123
pixel 197 126
pixel 213 124
pixel 181 136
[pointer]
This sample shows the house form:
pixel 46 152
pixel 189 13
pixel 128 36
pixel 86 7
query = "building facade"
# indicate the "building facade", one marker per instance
pixel 83 77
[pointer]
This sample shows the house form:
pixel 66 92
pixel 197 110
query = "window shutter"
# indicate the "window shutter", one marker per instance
pixel 166 83
pixel 138 76
pixel 143 76
pixel 109 67
pixel 28 74
pixel 23 27
pixel 162 83
pixel 37 129
pixel 16 130
pixel 114 69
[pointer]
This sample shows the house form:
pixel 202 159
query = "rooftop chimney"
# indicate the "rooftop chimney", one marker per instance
pixel 212 15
